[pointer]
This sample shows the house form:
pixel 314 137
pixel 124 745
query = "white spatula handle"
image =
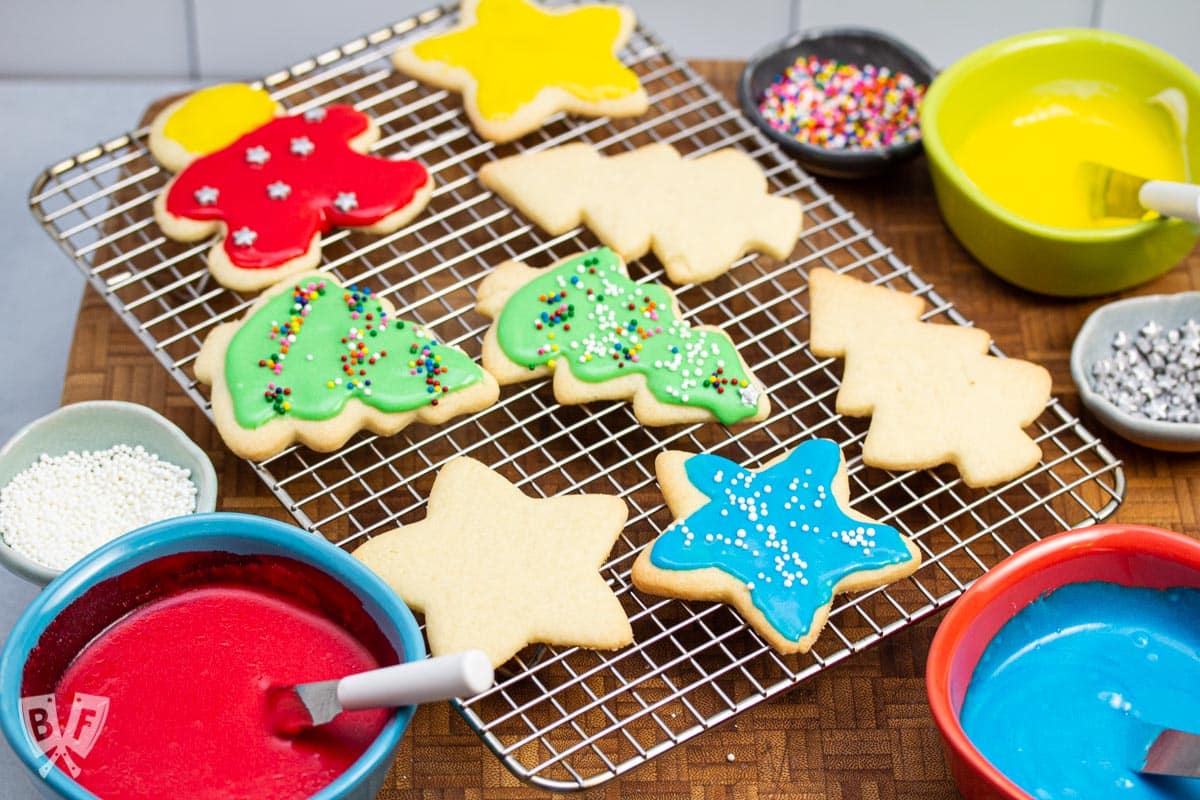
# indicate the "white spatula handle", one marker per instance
pixel 1181 200
pixel 456 675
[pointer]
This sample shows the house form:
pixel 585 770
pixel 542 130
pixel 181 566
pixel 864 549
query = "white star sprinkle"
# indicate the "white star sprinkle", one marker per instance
pixel 315 114
pixel 207 195
pixel 257 155
pixel 302 146
pixel 750 395
pixel 244 237
pixel 278 190
pixel 346 202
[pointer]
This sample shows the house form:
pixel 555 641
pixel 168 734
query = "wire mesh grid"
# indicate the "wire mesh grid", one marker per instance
pixel 565 718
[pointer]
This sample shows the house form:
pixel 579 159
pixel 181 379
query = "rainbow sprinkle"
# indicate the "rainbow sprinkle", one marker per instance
pixel 841 106
pixel 285 336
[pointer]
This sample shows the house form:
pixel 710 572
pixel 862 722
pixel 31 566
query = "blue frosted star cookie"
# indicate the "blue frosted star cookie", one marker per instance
pixel 776 543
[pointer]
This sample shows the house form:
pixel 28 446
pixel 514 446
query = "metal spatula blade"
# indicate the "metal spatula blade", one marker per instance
pixel 1121 194
pixel 1171 752
pixel 294 709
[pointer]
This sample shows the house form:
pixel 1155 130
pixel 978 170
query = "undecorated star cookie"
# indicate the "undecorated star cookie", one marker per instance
pixel 776 544
pixel 313 362
pixel 271 186
pixel 496 570
pixel 604 337
pixel 699 216
pixel 933 392
pixel 517 63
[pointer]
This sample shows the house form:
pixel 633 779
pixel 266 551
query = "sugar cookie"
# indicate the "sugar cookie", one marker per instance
pixel 604 337
pixel 517 63
pixel 777 543
pixel 496 570
pixel 208 120
pixel 315 363
pixel 933 393
pixel 699 216
pixel 274 190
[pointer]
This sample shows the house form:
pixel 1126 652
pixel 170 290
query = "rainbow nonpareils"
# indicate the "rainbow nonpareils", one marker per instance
pixel 841 106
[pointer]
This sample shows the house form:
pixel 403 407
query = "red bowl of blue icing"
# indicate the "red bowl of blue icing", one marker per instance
pixel 1126 591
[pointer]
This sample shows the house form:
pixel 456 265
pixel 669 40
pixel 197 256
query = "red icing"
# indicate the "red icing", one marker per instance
pixel 285 227
pixel 186 677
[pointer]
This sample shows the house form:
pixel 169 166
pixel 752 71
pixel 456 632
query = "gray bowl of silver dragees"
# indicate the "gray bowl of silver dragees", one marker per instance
pixel 89 472
pixel 1136 363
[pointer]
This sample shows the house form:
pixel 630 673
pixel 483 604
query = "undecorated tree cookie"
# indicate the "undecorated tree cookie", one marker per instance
pixel 933 392
pixel 699 216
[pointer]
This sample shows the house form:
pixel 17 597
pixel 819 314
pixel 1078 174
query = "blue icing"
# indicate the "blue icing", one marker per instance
pixel 780 531
pixel 1063 697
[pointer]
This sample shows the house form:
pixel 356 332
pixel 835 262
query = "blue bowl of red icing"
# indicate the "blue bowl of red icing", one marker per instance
pixel 142 670
pixel 1047 673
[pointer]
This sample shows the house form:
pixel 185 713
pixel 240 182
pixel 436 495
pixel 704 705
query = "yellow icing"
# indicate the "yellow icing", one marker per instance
pixel 213 118
pixel 1028 153
pixel 515 49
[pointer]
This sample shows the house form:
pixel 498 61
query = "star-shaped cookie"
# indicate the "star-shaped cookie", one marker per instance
pixel 517 63
pixel 777 543
pixel 496 570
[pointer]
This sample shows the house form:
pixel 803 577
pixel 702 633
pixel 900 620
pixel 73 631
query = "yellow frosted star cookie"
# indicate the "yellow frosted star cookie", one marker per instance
pixel 496 570
pixel 517 63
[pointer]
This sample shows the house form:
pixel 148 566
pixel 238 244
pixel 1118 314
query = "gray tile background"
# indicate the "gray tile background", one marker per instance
pixel 73 72
pixel 211 39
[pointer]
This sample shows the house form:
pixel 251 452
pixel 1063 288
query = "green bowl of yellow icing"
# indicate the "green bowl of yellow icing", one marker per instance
pixel 1008 130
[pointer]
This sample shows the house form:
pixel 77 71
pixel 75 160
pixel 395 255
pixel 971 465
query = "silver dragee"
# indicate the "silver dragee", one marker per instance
pixel 1154 373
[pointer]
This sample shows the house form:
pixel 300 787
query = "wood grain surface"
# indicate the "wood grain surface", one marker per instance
pixel 861 729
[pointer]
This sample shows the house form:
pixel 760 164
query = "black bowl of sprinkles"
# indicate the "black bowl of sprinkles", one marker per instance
pixel 844 102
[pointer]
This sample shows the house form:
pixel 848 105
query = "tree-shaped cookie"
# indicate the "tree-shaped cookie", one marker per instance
pixel 517 63
pixel 314 362
pixel 933 392
pixel 777 543
pixel 699 216
pixel 273 191
pixel 605 337
pixel 495 570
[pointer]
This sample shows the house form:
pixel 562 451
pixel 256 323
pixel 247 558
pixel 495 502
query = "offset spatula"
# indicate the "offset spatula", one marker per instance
pixel 294 709
pixel 1167 751
pixel 1121 194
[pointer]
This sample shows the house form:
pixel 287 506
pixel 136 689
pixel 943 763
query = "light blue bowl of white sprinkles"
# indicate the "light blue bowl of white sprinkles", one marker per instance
pixel 1117 365
pixel 89 472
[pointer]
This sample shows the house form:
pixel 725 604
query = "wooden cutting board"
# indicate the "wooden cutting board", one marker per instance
pixel 858 731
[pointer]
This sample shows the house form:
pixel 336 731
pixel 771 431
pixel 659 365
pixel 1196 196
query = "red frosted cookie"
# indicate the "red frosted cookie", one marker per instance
pixel 271 192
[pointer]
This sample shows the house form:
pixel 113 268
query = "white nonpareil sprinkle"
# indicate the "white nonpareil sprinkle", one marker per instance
pixel 63 507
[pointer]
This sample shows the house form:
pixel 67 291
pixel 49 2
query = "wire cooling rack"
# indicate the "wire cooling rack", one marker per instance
pixel 564 718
